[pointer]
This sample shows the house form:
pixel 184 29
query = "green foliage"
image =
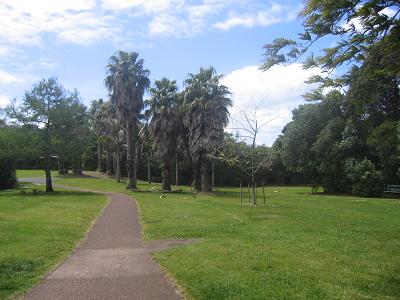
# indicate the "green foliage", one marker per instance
pixel 7 173
pixel 339 19
pixel 385 140
pixel 164 125
pixel 126 81
pixel 365 179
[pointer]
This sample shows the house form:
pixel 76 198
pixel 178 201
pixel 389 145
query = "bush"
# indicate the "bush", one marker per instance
pixel 365 179
pixel 8 177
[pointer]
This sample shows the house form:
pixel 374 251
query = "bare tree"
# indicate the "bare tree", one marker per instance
pixel 248 124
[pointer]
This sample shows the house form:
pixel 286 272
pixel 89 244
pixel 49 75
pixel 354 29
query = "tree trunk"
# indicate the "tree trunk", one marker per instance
pixel 197 176
pixel 109 162
pixel 99 160
pixel 118 164
pixel 49 184
pixel 212 173
pixel 130 156
pixel 176 168
pixel 61 167
pixel 205 176
pixel 166 176
pixel 77 167
pixel 136 163
pixel 148 170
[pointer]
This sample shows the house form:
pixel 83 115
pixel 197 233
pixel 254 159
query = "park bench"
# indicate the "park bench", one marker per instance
pixel 392 189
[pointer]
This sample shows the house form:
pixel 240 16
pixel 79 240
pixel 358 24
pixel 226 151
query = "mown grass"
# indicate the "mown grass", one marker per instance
pixel 297 246
pixel 33 173
pixel 38 230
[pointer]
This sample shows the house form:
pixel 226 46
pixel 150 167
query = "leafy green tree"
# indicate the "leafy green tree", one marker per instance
pixel 207 103
pixel 96 126
pixel 357 24
pixel 385 141
pixel 164 125
pixel 39 106
pixel 126 81
pixel 365 179
pixel 70 132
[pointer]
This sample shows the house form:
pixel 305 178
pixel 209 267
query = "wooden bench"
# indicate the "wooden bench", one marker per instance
pixel 392 189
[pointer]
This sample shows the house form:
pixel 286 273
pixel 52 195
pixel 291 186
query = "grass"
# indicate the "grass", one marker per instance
pixel 38 230
pixel 298 246
pixel 33 173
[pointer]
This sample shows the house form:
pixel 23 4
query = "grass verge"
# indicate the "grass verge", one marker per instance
pixel 297 246
pixel 38 230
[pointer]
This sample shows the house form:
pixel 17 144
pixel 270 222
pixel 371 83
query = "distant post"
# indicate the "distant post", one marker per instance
pixel 248 191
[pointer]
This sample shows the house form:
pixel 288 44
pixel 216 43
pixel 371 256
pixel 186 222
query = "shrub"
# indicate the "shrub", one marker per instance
pixel 365 179
pixel 7 174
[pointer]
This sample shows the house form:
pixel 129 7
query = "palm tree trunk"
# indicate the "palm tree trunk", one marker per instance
pixel 109 162
pixel 212 173
pixel 205 176
pixel 136 163
pixel 99 162
pixel 166 176
pixel 176 168
pixel 118 164
pixel 130 156
pixel 148 170
pixel 197 176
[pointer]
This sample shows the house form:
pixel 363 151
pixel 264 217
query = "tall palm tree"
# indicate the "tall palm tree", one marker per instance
pixel 126 82
pixel 206 105
pixel 164 125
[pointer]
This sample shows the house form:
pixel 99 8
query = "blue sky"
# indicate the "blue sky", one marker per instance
pixel 73 39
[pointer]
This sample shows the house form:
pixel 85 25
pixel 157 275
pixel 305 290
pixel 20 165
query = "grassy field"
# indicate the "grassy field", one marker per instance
pixel 33 173
pixel 297 246
pixel 37 231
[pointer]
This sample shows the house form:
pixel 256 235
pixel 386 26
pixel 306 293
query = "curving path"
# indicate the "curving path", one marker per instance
pixel 112 262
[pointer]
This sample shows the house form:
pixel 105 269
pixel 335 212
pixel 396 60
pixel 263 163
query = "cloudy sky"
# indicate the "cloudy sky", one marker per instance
pixel 73 39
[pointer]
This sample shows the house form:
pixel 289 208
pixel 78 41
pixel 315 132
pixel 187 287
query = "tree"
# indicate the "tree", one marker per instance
pixel 70 133
pixel 357 23
pixel 248 126
pixel 111 135
pixel 96 127
pixel 126 82
pixel 206 104
pixel 39 106
pixel 164 125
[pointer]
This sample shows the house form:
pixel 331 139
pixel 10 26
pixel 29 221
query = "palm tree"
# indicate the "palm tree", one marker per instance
pixel 164 125
pixel 206 105
pixel 126 82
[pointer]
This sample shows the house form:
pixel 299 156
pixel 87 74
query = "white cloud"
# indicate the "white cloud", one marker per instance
pixel 274 14
pixel 275 93
pixel 85 22
pixel 6 78
pixel 141 6
pixel 4 101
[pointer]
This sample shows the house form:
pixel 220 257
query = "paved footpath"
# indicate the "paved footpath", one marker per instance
pixel 112 262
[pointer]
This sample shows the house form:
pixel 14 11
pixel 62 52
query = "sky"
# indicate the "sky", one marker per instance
pixel 73 40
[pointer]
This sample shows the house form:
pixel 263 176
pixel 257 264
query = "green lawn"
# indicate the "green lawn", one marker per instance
pixel 298 246
pixel 37 231
pixel 33 173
